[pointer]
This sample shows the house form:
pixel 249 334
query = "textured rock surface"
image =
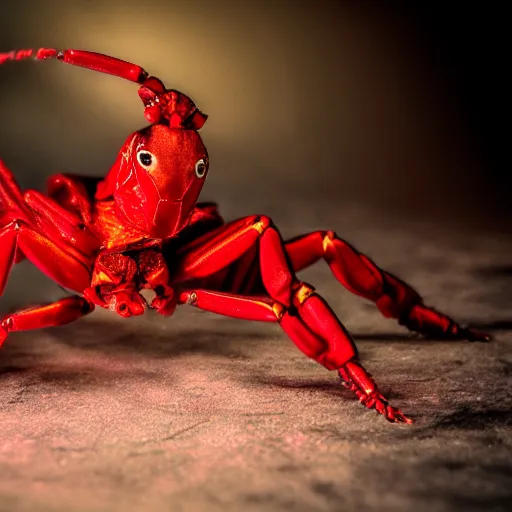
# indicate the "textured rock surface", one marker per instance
pixel 205 413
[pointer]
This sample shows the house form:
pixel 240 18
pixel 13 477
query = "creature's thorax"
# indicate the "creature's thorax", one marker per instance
pixel 113 232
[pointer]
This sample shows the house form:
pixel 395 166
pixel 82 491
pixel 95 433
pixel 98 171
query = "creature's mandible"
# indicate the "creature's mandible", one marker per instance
pixel 139 227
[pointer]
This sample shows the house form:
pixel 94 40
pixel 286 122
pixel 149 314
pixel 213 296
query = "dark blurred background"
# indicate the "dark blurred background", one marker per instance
pixel 391 106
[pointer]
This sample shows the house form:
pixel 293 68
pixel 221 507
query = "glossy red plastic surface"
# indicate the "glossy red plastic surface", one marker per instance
pixel 140 227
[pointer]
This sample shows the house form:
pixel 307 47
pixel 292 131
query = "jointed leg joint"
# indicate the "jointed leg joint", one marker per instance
pixel 261 224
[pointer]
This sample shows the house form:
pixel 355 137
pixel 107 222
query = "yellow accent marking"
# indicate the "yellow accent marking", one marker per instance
pixel 259 226
pixel 303 293
pixel 278 310
pixel 327 241
pixel 99 278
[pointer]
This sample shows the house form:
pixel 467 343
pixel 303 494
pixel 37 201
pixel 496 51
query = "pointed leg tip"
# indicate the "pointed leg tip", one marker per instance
pixel 478 336
pixel 401 419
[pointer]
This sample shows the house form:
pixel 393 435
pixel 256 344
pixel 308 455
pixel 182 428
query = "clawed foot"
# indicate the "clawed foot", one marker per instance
pixel 473 335
pixel 460 334
pixel 381 405
pixel 164 305
pixel 357 379
pixel 165 300
pixel 432 324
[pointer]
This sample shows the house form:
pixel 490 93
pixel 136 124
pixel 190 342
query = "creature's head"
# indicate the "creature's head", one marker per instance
pixel 160 170
pixel 157 178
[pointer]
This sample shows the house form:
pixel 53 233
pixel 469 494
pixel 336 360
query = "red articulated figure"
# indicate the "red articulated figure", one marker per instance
pixel 140 227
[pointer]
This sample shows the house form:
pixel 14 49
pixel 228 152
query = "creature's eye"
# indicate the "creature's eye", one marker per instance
pixel 145 158
pixel 200 168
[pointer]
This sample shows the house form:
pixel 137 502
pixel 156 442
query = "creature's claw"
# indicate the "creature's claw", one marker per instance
pixel 381 405
pixel 164 304
pixel 358 380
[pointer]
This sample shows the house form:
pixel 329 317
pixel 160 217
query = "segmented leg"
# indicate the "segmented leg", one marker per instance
pixel 359 274
pixel 65 267
pixel 259 309
pixel 48 235
pixel 75 193
pixel 12 206
pixel 302 313
pixel 61 312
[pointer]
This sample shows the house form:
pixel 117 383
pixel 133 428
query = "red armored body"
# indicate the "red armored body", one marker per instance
pixel 140 227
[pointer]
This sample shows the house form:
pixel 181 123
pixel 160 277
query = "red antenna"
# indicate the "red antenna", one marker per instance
pixel 160 104
pixel 84 59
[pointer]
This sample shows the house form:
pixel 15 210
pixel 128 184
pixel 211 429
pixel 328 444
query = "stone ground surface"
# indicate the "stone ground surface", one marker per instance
pixel 205 413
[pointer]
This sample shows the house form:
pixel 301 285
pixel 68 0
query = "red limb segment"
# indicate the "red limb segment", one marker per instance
pixel 57 256
pixel 62 266
pixel 204 259
pixel 58 223
pixel 360 275
pixel 103 64
pixel 90 60
pixel 8 248
pixel 234 306
pixel 12 205
pixel 61 312
pixel 302 313
pixel 74 193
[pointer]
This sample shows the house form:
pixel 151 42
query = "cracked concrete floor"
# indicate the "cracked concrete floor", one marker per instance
pixel 205 413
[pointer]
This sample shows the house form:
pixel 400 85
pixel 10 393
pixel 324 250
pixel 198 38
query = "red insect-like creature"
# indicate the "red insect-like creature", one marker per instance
pixel 140 227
